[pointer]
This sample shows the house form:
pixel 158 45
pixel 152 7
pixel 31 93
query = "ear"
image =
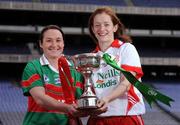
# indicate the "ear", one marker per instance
pixel 115 27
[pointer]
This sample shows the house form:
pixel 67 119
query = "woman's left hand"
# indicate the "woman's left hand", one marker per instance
pixel 102 108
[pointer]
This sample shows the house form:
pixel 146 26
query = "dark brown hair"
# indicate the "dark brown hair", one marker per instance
pixel 47 28
pixel 119 34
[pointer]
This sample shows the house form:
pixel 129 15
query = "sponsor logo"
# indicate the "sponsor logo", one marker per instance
pixel 100 81
pixel 57 80
pixel 152 92
pixel 107 84
pixel 109 74
pixel 102 78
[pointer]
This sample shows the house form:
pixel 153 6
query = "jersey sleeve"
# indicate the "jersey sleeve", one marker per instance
pixel 30 78
pixel 130 60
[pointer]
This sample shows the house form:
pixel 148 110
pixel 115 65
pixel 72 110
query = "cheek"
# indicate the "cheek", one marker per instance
pixel 94 30
pixel 62 45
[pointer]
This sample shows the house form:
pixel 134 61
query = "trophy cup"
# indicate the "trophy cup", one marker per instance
pixel 85 63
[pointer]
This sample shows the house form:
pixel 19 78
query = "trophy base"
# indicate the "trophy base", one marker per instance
pixel 85 103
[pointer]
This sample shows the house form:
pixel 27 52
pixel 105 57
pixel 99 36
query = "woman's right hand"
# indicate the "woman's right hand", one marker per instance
pixel 73 111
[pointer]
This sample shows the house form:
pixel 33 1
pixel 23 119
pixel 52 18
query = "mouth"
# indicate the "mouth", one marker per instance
pixel 55 51
pixel 102 34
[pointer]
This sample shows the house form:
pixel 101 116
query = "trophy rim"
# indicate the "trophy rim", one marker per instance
pixel 86 55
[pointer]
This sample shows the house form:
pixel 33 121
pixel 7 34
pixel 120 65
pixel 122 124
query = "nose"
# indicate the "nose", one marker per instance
pixel 101 27
pixel 54 43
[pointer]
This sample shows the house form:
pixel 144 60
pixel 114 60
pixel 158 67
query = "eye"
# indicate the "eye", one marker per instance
pixel 106 25
pixel 48 40
pixel 58 40
pixel 97 25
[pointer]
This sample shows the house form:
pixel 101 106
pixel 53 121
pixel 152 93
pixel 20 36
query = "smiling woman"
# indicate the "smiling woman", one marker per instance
pixel 124 102
pixel 43 87
pixel 52 44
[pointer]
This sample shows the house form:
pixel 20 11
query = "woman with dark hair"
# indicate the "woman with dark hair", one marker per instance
pixel 123 102
pixel 42 85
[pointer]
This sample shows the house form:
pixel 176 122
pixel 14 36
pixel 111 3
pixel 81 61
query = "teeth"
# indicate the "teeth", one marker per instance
pixel 102 34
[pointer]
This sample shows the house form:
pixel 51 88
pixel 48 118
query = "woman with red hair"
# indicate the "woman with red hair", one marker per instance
pixel 123 102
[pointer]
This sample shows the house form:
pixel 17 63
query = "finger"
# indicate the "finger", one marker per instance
pixel 75 105
pixel 100 103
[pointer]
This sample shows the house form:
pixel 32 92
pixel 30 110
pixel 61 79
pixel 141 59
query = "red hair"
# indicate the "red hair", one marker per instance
pixel 119 34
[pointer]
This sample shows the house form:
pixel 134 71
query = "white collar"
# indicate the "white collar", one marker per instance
pixel 44 61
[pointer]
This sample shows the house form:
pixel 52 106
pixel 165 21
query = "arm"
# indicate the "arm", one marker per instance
pixel 38 94
pixel 123 87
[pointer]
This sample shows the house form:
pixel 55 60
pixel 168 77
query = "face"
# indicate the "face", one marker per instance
pixel 103 28
pixel 52 44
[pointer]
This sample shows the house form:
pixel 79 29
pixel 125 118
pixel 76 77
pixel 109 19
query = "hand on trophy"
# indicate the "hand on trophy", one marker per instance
pixel 72 110
pixel 88 103
pixel 101 108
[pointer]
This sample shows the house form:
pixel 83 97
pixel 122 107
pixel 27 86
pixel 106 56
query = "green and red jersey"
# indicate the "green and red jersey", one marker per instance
pixel 40 73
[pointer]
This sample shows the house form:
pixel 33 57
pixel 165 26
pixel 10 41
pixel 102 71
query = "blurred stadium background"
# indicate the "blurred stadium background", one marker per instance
pixel 153 24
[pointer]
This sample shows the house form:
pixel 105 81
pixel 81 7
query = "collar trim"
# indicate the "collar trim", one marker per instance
pixel 43 60
pixel 116 44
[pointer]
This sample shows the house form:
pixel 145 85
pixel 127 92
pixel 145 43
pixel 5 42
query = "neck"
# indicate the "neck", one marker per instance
pixel 104 46
pixel 54 62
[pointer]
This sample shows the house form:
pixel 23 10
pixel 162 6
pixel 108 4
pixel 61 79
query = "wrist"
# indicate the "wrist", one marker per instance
pixel 124 86
pixel 106 100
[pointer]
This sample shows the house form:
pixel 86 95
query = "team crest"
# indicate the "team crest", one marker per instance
pixel 117 58
pixel 46 79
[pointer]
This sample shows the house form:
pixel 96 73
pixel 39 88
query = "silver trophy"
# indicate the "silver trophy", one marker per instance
pixel 85 63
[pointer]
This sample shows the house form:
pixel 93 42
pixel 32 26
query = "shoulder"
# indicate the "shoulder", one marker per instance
pixel 123 44
pixel 32 64
pixel 128 46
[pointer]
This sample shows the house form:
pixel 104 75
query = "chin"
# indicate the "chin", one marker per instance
pixel 103 39
pixel 54 56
